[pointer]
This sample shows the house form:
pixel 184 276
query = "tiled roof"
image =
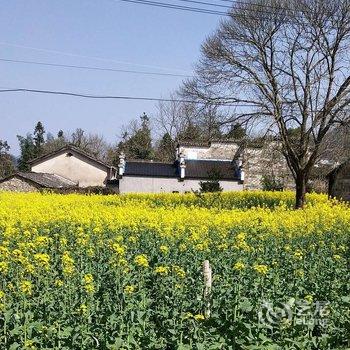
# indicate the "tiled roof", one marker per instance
pixel 202 169
pixel 142 168
pixel 196 169
pixel 46 180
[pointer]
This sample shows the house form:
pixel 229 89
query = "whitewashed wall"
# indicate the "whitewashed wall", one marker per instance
pixel 145 184
pixel 76 168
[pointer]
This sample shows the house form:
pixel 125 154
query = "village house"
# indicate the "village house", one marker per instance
pixel 339 181
pixel 67 168
pixel 33 182
pixel 82 170
pixel 184 175
pixel 235 165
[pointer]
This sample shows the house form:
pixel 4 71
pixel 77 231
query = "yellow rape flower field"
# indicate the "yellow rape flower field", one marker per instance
pixel 125 272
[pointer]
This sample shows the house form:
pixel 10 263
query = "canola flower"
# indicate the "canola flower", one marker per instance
pixel 239 266
pixel 179 271
pixel 26 287
pixel 261 269
pixel 162 270
pixel 164 249
pixel 88 282
pixel 83 309
pixel 199 317
pixel 65 256
pixel 59 282
pixel 141 260
pixel 298 254
pixel 43 260
pixel 67 264
pixel 129 289
pixel 309 298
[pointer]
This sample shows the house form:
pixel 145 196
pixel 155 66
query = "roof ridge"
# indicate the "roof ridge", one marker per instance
pixel 45 180
pixel 147 161
pixel 72 148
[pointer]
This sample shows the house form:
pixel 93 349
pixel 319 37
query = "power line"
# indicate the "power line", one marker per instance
pixel 89 57
pixel 177 7
pixel 116 97
pixel 113 97
pixel 49 64
pixel 232 7
pixel 206 3
pixel 268 7
pixel 208 11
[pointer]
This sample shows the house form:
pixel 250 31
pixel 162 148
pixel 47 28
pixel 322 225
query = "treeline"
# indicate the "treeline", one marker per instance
pixel 142 138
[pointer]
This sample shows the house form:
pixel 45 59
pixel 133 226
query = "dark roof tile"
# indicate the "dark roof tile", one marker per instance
pixel 142 168
pixel 201 169
pixel 197 169
pixel 46 180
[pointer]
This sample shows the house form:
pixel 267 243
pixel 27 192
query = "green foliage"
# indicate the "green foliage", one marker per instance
pixel 213 183
pixel 270 182
pixel 192 133
pixel 39 139
pixel 236 132
pixel 165 311
pixel 6 162
pixel 138 145
pixel 166 149
pixel 31 146
pixel 28 151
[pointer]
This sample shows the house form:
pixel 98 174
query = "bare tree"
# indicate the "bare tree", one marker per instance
pixel 175 118
pixel 284 65
pixel 92 143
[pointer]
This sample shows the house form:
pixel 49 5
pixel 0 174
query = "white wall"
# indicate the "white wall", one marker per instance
pixel 76 168
pixel 145 184
pixel 223 151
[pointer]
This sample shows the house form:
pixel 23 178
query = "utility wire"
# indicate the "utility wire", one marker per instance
pixel 89 57
pixel 206 3
pixel 116 97
pixel 232 7
pixel 230 13
pixel 113 97
pixel 268 7
pixel 49 64
pixel 177 7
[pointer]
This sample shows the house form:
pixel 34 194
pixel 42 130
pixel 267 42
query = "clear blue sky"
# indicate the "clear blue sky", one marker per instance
pixel 142 35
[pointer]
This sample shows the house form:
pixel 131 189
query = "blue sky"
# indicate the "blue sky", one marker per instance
pixel 143 36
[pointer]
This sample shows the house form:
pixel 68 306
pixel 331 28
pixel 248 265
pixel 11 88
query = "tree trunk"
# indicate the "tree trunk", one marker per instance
pixel 300 184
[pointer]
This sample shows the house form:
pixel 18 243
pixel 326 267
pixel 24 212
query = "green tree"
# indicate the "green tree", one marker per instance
pixel 213 182
pixel 6 164
pixel 137 141
pixel 166 148
pixel 39 139
pixel 31 147
pixel 28 151
pixel 236 132
pixel 60 134
pixel 192 133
